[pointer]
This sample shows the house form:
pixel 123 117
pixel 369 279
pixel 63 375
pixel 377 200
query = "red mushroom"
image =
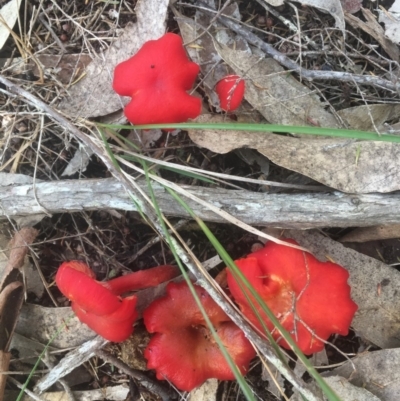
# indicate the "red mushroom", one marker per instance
pixel 98 304
pixel 76 281
pixel 157 78
pixel 230 91
pixel 183 349
pixel 117 326
pixel 310 298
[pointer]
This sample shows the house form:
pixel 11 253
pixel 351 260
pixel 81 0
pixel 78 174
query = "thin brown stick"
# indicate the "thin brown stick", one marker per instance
pixel 164 393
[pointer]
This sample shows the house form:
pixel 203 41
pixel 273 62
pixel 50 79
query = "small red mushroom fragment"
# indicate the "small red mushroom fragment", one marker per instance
pixel 230 91
pixel 311 299
pixel 142 279
pixel 98 304
pixel 157 79
pixel 183 349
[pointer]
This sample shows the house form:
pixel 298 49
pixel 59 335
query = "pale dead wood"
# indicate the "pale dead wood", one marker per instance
pixel 71 361
pixel 301 211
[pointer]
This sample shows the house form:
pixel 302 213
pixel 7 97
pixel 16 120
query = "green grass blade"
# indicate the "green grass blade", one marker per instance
pixel 295 129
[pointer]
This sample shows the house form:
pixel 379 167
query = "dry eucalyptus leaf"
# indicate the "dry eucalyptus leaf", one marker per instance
pixel 369 117
pixel 354 167
pixel 372 27
pixel 224 141
pixel 349 166
pixel 377 372
pixel 144 139
pixel 8 17
pixel 374 288
pixel 392 25
pixel 19 246
pixel 40 324
pixel 65 68
pixel 207 391
pixel 28 350
pixel 344 389
pixel 277 95
pixel 93 95
pixel 364 234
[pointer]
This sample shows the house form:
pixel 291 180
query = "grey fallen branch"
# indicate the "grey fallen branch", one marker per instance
pixel 301 211
pixel 285 61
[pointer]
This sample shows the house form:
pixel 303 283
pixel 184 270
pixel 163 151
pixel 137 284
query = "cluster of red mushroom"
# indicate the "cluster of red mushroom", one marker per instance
pixel 311 299
pixel 99 304
pixel 183 349
pixel 157 79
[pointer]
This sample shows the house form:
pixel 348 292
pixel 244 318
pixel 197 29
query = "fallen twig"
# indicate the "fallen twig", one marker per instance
pixel 153 386
pixel 301 211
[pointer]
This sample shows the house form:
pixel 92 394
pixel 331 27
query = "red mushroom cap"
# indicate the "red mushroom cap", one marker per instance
pixel 76 281
pixel 310 298
pixel 117 326
pixel 157 78
pixel 183 350
pixel 142 279
pixel 230 91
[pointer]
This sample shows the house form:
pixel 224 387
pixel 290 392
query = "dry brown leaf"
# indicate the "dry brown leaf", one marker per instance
pixel 370 117
pixel 374 233
pixel 377 372
pixel 41 323
pixel 93 95
pixel 65 68
pixel 373 28
pixel 354 167
pixel 374 288
pixel 392 24
pixel 11 293
pixel 207 391
pixel 344 389
pixel 8 17
pixel 19 247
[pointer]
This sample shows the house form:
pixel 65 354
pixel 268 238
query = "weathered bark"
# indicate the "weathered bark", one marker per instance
pixel 301 211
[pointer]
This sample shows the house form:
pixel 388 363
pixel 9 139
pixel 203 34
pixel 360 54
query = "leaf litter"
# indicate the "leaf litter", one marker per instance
pixel 279 98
